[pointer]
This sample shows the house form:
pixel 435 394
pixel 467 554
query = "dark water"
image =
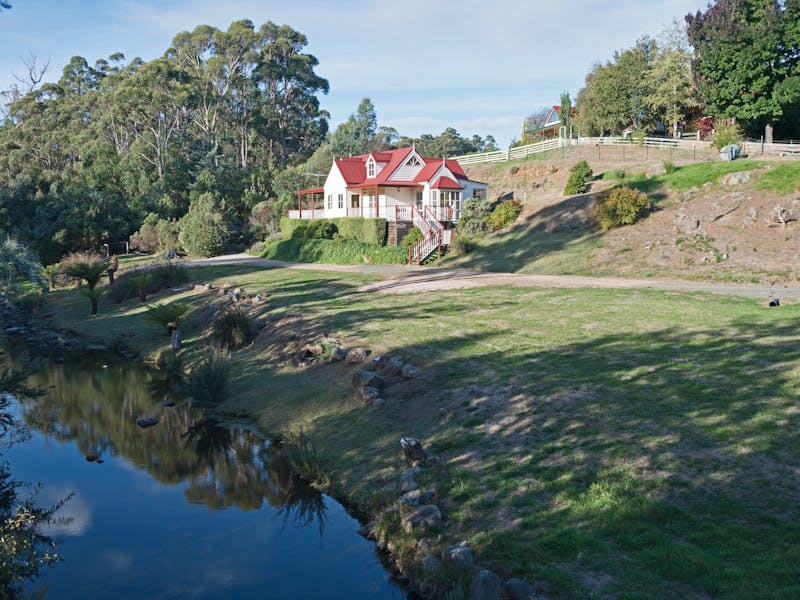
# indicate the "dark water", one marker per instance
pixel 189 508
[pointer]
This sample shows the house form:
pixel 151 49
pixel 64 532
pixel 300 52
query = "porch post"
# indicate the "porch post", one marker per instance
pixel 377 203
pixel 300 204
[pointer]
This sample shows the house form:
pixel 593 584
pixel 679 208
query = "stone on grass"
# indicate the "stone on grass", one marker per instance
pixel 516 589
pixel 410 372
pixel 486 586
pixel 407 481
pixel 412 449
pixel 411 498
pixel 393 365
pixel 355 356
pixel 460 556
pixel 338 354
pixel 430 563
pixel 378 402
pixel 367 395
pixel 421 518
pixel 370 378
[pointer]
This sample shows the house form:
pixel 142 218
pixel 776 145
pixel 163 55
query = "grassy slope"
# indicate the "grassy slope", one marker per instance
pixel 624 443
pixel 537 246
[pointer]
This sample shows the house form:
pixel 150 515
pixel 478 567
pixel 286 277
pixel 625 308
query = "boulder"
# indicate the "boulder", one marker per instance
pixel 516 589
pixel 460 556
pixel 370 378
pixel 410 372
pixel 411 498
pixel 686 223
pixel 367 531
pixel 486 586
pixel 689 195
pixel 338 354
pixel 430 563
pixel 367 395
pixel 378 402
pixel 412 450
pixel 421 518
pixel 146 422
pixel 355 356
pixel 407 481
pixel 393 365
pixel 739 178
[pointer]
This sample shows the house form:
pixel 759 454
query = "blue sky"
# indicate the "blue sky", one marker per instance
pixel 478 66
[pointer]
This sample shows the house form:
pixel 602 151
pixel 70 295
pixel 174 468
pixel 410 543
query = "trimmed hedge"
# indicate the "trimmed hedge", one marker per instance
pixel 339 252
pixel 368 231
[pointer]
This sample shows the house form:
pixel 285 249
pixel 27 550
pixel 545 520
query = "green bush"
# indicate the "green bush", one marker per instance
pixel 579 176
pixel 369 231
pixel 725 135
pixel 164 276
pixel 461 244
pixel 316 230
pixel 412 238
pixel 622 206
pixel 234 328
pixel 207 384
pixel 669 167
pixel 203 230
pixel 156 235
pixel 473 221
pixel 504 214
pixel 340 252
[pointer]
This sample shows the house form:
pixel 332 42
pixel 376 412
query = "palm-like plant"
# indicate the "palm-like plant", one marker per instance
pixel 50 272
pixel 88 266
pixel 168 315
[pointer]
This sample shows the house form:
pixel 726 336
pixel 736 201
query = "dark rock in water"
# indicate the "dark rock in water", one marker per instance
pixel 99 461
pixel 147 422
pixel 367 531
pixel 92 457
pixel 168 403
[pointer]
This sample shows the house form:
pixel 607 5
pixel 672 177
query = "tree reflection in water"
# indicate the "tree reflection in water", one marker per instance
pixel 222 465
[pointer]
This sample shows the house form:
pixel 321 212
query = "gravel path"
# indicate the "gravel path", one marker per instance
pixel 404 279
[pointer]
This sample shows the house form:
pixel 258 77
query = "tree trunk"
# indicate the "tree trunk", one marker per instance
pixel 94 306
pixel 768 132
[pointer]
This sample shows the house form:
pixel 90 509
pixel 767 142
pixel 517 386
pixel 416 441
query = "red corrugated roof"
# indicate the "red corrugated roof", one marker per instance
pixel 353 169
pixel 445 183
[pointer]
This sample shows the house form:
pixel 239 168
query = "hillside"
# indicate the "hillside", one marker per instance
pixel 705 224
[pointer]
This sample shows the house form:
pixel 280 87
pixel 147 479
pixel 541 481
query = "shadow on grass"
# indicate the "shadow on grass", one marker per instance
pixel 647 463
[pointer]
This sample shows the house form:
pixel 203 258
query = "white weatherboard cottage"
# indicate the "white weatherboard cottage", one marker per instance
pixel 400 186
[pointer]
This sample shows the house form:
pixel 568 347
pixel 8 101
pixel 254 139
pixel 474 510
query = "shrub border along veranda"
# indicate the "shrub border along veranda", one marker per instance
pixel 369 231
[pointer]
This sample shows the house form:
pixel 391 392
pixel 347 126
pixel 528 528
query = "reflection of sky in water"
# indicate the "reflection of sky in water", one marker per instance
pixel 127 535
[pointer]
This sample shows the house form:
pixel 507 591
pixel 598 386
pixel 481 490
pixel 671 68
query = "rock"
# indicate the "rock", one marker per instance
pixel 367 395
pixel 460 556
pixel 338 354
pixel 429 495
pixel 775 302
pixel 146 422
pixel 739 178
pixel 516 589
pixel 199 287
pixel 421 518
pixel 412 449
pixel 208 286
pixel 411 498
pixel 367 531
pixel 393 365
pixel 378 402
pixel 689 195
pixel 314 349
pixel 686 223
pixel 370 378
pixel 486 586
pixel 91 457
pixel 407 481
pixel 355 356
pixel 410 372
pixel 430 563
pixel 708 185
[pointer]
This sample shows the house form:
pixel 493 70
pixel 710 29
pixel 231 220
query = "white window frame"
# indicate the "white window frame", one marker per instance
pixel 419 201
pixel 340 201
pixel 370 168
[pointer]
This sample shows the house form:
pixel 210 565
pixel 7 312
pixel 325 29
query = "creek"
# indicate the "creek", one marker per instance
pixel 191 507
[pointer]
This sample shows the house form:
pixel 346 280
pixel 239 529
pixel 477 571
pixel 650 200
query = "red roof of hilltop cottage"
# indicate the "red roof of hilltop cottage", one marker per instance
pixel 354 170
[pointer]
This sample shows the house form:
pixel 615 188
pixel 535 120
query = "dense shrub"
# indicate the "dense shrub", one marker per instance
pixel 622 206
pixel 203 230
pixel 315 230
pixel 413 237
pixel 369 231
pixel 156 235
pixel 504 214
pixel 234 328
pixel 164 276
pixel 207 383
pixel 725 134
pixel 473 221
pixel 579 176
pixel 341 252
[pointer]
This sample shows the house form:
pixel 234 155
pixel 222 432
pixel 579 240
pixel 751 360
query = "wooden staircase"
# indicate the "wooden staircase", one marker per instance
pixel 434 237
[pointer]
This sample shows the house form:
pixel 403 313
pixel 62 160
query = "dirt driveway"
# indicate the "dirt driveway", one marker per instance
pixel 404 279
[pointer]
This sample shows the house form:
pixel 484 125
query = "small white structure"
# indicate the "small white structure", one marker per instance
pixel 393 185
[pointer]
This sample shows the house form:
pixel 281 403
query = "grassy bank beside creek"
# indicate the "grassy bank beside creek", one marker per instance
pixel 602 443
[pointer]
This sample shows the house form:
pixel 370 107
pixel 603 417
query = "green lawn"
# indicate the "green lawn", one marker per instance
pixel 598 443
